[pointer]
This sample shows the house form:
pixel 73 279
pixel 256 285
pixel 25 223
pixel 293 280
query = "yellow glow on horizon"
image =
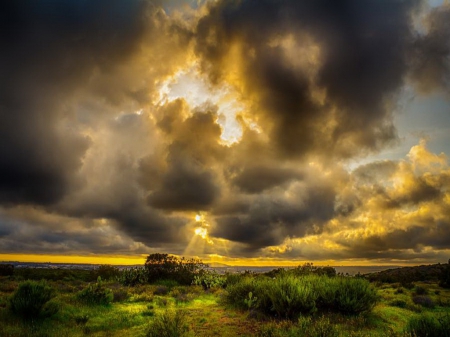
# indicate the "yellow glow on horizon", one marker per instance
pixel 113 260
pixel 211 258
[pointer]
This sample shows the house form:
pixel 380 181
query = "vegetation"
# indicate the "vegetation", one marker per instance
pixel 301 302
pixel 165 266
pixel 29 299
pixel 96 294
pixel 289 296
pixel 169 324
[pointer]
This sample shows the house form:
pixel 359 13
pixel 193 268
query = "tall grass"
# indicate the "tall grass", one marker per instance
pixel 169 324
pixel 29 299
pixel 290 296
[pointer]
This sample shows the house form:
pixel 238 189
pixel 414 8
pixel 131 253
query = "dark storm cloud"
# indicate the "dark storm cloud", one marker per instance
pixel 431 60
pixel 256 179
pixel 435 235
pixel 271 219
pixel 185 181
pixel 50 49
pixel 363 49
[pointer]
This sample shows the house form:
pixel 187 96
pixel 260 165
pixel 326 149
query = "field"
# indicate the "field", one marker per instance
pixel 306 303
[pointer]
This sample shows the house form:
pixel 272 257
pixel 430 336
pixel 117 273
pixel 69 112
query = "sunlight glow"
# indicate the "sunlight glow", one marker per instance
pixel 189 85
pixel 203 232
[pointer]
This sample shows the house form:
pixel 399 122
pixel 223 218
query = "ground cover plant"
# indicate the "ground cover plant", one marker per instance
pixel 309 304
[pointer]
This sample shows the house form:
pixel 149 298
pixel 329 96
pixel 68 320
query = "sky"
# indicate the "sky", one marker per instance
pixel 244 132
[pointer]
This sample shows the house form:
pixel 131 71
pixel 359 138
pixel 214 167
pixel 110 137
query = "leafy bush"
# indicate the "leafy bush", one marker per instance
pixel 133 276
pixel 424 301
pixel 120 295
pixel 398 303
pixel 427 326
pixel 169 324
pixel 29 299
pixel 354 295
pixel 96 294
pixel 288 296
pixel 444 279
pixel 161 290
pixel 106 272
pixel 169 267
pixel 310 269
pixel 210 279
pixel 6 269
pixel 291 296
pixel 419 290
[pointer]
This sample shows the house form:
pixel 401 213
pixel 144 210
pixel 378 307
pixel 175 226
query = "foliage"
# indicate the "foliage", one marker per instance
pixel 169 324
pixel 424 301
pixel 419 290
pixel 106 272
pixel 428 326
pixel 210 279
pixel 51 274
pixel 133 276
pixel 29 299
pixel 354 295
pixel 444 280
pixel 165 266
pixel 6 269
pixel 288 296
pixel 291 296
pixel 96 294
pixel 310 269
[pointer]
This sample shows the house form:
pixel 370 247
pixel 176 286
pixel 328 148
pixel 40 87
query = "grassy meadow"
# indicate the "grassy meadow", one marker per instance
pixel 172 297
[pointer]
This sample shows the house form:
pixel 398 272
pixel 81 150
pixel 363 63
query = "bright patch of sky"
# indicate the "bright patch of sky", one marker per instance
pixel 196 91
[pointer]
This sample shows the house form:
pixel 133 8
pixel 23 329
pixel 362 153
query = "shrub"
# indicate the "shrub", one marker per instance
pixel 444 279
pixel 420 290
pixel 96 294
pixel 106 272
pixel 30 298
pixel 210 279
pixel 309 269
pixel 238 292
pixel 169 324
pixel 161 290
pixel 165 266
pixel 133 276
pixel 354 295
pixel 6 269
pixel 291 296
pixel 424 301
pixel 398 304
pixel 427 326
pixel 120 295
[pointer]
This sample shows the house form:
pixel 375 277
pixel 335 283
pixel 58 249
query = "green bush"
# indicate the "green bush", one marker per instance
pixel 96 294
pixel 6 269
pixel 133 276
pixel 169 324
pixel 288 296
pixel 29 299
pixel 106 272
pixel 354 295
pixel 169 267
pixel 419 290
pixel 444 279
pixel 291 296
pixel 238 292
pixel 428 326
pixel 424 301
pixel 210 279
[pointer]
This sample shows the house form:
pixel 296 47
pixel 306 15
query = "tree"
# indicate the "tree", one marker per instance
pixel 164 266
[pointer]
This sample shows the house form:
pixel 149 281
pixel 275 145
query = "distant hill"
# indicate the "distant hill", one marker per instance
pixel 430 272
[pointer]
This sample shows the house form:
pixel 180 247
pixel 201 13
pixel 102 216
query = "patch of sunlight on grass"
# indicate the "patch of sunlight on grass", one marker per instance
pixel 396 318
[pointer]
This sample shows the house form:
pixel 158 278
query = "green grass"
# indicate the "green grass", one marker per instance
pixel 206 313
